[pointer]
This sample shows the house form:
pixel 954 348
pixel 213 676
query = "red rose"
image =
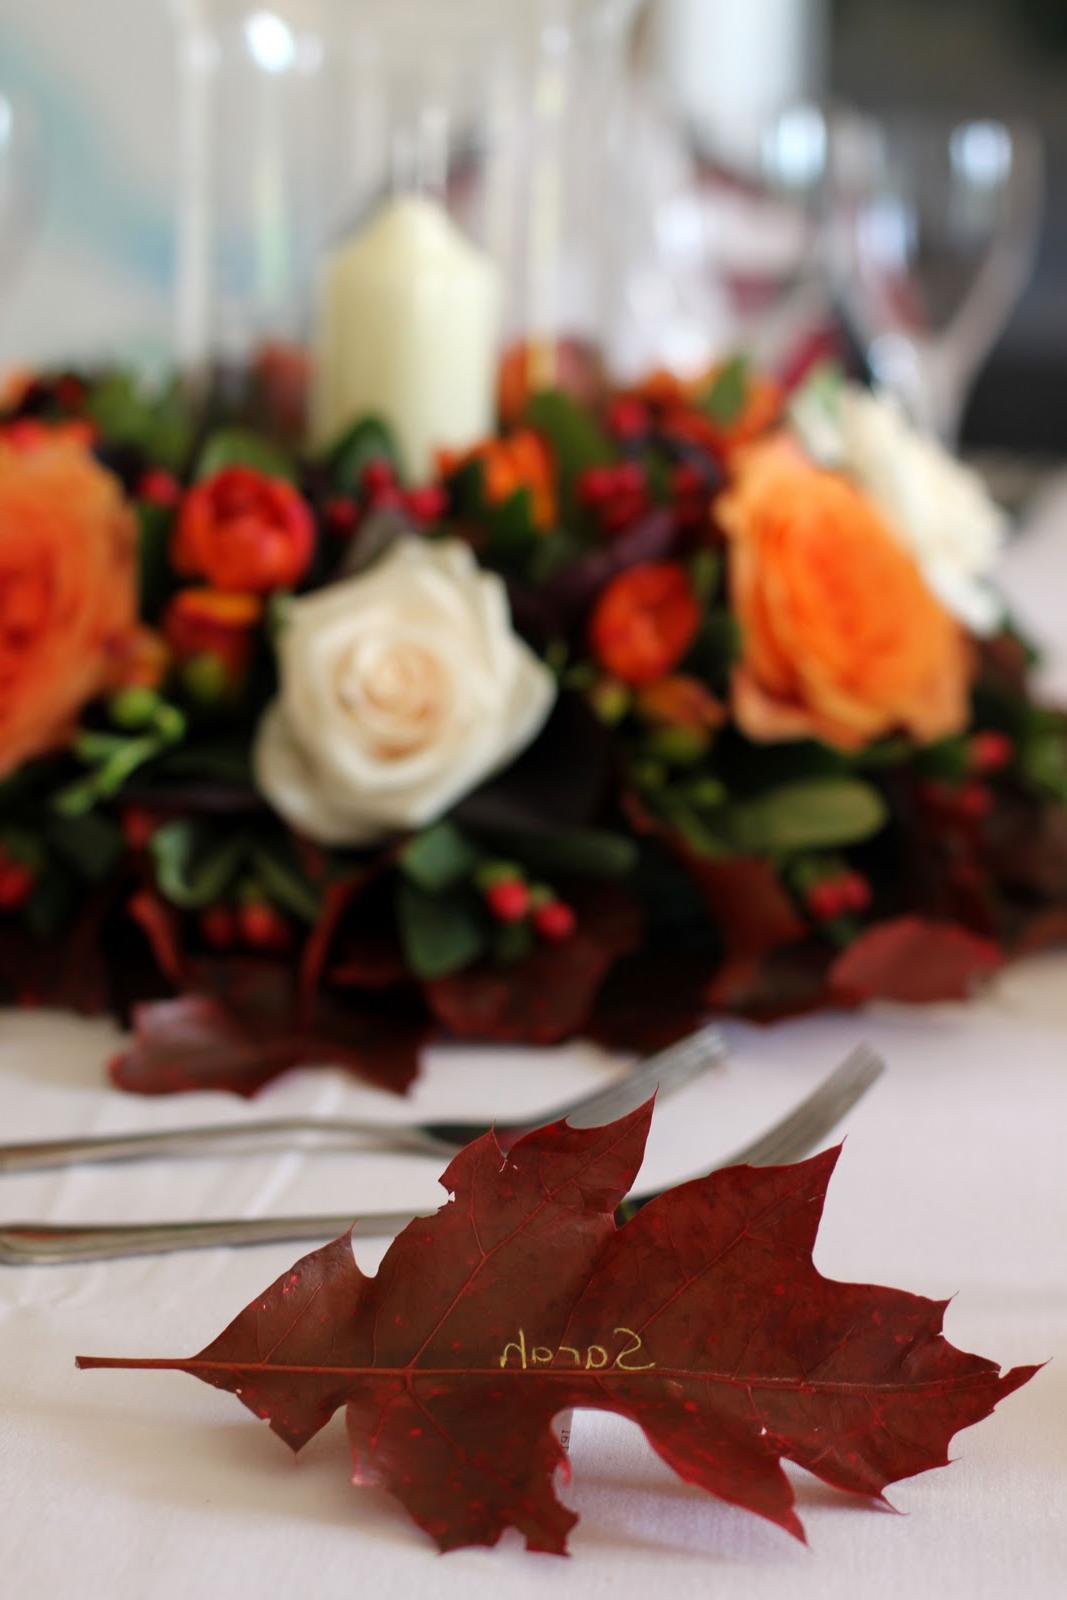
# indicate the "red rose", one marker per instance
pixel 244 531
pixel 644 622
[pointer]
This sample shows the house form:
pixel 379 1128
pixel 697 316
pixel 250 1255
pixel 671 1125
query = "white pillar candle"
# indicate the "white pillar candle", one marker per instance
pixel 408 329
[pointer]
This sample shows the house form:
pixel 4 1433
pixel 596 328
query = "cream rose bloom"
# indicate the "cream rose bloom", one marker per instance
pixel 938 509
pixel 402 689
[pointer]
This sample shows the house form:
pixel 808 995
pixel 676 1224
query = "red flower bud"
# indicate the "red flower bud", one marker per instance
pixel 244 531
pixel 644 622
pixel 555 922
pixel 508 900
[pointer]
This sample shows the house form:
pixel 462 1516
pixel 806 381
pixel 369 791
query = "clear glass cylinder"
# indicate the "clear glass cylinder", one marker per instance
pixel 299 116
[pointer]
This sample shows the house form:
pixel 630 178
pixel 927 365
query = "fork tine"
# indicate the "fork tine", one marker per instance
pixel 813 1118
pixel 663 1073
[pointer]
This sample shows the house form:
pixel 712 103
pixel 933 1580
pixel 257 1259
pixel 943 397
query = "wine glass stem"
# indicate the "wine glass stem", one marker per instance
pixel 927 382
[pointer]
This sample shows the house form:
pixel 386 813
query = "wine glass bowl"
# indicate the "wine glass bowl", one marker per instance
pixel 933 231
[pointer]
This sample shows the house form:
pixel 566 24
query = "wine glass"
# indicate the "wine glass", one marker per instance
pixel 22 184
pixel 933 228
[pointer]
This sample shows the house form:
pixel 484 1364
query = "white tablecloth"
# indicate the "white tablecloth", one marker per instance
pixel 141 1486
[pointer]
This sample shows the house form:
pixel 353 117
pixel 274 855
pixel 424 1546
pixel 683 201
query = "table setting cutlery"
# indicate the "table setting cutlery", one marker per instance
pixel 790 1138
pixel 663 1073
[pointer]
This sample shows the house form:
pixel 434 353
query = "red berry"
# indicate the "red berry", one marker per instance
pixel 991 751
pixel 596 485
pixel 856 892
pixel 218 926
pixel 16 884
pixel 138 827
pixel 628 419
pixel 828 899
pixel 159 488
pixel 263 927
pixel 341 516
pixel 428 504
pixel 555 922
pixel 974 801
pixel 630 478
pixel 508 900
pixel 377 477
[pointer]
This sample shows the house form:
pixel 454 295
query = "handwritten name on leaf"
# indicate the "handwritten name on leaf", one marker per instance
pixel 702 1318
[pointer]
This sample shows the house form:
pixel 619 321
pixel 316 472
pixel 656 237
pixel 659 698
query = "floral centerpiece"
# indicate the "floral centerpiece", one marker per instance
pixel 682 699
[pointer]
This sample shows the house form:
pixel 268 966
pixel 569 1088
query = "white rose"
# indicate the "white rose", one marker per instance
pixel 938 509
pixel 402 689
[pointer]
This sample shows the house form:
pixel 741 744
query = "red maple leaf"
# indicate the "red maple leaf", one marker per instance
pixel 914 960
pixel 703 1319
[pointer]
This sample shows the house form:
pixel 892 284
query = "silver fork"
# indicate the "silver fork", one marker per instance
pixel 665 1072
pixel 36 1244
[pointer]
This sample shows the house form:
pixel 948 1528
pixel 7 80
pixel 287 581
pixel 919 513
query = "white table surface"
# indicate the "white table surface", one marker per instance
pixel 150 1486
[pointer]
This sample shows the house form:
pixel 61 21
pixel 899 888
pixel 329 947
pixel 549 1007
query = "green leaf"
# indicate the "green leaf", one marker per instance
pixel 91 844
pixel 441 934
pixel 239 447
pixel 192 870
pixel 715 649
pixel 571 852
pixel 439 859
pixel 158 424
pixel 281 875
pixel 156 524
pixel 512 536
pixel 576 438
pixel 725 400
pixel 806 816
pixel 368 440
pixel 948 760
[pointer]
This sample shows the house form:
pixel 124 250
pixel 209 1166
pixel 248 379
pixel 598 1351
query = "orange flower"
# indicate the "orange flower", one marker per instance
pixel 644 622
pixel 29 433
pixel 244 531
pixel 68 592
pixel 212 622
pixel 676 402
pixel 521 461
pixel 843 641
pixel 681 702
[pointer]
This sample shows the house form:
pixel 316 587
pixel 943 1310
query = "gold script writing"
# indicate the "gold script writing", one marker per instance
pixel 520 1352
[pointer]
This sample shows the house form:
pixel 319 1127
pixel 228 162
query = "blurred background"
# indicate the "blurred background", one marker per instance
pixel 803 176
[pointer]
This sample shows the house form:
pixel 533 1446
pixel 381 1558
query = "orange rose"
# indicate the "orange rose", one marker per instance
pixel 843 641
pixel 644 622
pixel 521 461
pixel 244 531
pixel 211 622
pixel 68 592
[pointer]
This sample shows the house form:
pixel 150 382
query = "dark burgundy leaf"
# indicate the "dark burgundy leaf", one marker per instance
pixel 548 996
pixel 241 1027
pixel 703 1319
pixel 916 961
